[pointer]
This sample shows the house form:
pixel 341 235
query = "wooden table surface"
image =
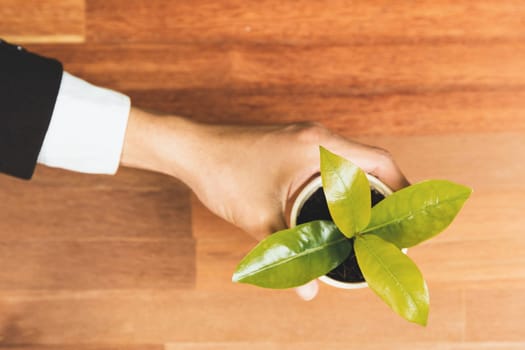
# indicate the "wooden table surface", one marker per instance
pixel 135 262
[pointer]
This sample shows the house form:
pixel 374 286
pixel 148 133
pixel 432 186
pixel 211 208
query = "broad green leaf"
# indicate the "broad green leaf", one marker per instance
pixel 295 256
pixel 347 193
pixel 394 277
pixel 418 212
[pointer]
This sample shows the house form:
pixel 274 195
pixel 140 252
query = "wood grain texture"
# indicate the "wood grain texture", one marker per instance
pixel 492 313
pixel 86 347
pixel 159 316
pixel 387 114
pixel 304 21
pixel 99 262
pixel 97 265
pixel 377 90
pixel 73 231
pixel 30 21
pixel 344 346
pixel 335 70
pixel 101 208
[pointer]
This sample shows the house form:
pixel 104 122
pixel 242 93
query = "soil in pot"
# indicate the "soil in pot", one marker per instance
pixel 315 208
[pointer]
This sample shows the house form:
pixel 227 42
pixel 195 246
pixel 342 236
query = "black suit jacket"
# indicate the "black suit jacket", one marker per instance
pixel 29 87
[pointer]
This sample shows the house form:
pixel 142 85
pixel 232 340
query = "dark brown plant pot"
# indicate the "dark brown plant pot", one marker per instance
pixel 310 205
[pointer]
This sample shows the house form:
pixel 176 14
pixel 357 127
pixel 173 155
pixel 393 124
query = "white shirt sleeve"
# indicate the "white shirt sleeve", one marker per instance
pixel 87 128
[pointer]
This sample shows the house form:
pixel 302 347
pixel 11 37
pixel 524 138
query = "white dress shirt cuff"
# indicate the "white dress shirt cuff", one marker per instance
pixel 87 128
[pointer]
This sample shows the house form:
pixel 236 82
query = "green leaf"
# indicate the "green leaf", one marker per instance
pixel 394 277
pixel 347 193
pixel 418 212
pixel 295 256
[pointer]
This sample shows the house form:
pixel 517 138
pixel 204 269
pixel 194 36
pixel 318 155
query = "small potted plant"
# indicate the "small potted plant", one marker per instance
pixel 311 205
pixel 375 235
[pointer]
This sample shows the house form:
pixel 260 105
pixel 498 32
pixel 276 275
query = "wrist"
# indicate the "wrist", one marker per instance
pixel 159 143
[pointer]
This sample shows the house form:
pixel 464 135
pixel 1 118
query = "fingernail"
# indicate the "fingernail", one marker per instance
pixel 308 291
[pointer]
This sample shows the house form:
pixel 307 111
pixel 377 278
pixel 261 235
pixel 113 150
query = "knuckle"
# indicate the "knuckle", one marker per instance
pixel 310 132
pixel 260 225
pixel 384 155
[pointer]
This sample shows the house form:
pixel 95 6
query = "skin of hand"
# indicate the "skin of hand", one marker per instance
pixel 247 175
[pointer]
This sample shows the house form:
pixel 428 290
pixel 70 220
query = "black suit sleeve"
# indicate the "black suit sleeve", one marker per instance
pixel 29 87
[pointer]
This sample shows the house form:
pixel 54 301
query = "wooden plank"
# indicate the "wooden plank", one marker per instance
pixel 60 205
pixel 304 21
pixel 453 262
pixel 499 205
pixel 334 345
pixel 335 70
pixel 76 231
pixel 97 265
pixel 494 314
pixel 485 161
pixel 125 178
pixel 42 21
pixel 6 346
pixel 356 90
pixel 248 315
pixel 385 114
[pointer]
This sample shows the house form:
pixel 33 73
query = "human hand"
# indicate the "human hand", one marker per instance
pixel 248 174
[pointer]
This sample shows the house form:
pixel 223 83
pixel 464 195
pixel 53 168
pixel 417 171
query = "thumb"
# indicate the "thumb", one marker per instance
pixel 308 291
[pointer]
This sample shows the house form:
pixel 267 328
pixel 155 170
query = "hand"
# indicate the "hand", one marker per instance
pixel 246 174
